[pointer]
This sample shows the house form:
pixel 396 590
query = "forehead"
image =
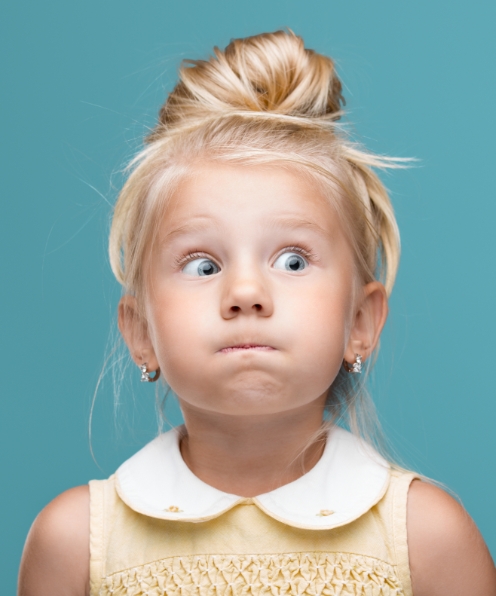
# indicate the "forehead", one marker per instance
pixel 217 194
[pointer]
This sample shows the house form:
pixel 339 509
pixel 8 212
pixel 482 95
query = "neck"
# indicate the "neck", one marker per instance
pixel 252 455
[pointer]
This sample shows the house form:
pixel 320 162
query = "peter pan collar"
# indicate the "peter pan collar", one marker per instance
pixel 349 479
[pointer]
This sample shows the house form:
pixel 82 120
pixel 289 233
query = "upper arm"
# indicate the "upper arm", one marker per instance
pixel 448 556
pixel 56 556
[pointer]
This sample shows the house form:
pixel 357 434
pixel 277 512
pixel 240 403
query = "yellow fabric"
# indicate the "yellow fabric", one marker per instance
pixel 244 551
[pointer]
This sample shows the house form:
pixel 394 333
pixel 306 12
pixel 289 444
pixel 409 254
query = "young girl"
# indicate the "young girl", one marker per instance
pixel 256 249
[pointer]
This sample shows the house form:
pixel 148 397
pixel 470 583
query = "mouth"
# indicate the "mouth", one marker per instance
pixel 246 347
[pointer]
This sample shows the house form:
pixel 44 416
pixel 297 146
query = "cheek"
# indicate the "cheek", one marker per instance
pixel 321 333
pixel 320 315
pixel 177 325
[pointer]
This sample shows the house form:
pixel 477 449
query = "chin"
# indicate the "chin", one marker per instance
pixel 255 398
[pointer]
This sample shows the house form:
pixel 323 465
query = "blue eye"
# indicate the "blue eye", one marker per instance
pixel 200 267
pixel 291 261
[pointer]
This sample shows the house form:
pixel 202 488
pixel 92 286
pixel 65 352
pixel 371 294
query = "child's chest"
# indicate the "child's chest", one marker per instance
pixel 245 551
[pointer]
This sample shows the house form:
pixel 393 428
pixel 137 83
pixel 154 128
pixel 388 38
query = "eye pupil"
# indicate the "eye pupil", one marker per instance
pixel 206 268
pixel 295 263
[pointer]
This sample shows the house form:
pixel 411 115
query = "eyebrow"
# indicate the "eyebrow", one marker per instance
pixel 295 223
pixel 199 224
pixel 204 222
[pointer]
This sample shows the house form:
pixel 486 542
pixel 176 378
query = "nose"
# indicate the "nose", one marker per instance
pixel 246 295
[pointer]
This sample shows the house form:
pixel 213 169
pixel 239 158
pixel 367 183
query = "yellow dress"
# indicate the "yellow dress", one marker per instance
pixel 339 530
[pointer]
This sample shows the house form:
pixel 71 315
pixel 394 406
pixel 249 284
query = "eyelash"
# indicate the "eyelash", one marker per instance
pixel 182 260
pixel 300 250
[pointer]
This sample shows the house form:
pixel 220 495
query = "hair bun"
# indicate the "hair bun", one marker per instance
pixel 271 72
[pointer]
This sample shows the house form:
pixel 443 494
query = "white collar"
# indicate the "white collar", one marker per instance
pixel 346 482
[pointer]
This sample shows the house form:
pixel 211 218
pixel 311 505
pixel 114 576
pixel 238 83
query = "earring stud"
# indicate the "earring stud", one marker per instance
pixel 356 367
pixel 145 374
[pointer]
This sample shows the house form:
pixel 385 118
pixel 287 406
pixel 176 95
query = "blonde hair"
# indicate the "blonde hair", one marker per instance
pixel 265 99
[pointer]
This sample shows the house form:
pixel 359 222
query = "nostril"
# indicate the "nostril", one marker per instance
pixel 235 308
pixel 257 307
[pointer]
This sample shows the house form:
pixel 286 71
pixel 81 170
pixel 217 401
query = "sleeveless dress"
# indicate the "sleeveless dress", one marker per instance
pixel 339 530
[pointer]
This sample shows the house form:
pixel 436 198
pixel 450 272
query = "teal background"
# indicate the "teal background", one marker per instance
pixel 80 83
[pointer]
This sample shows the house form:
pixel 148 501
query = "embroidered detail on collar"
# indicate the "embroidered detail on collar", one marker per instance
pixel 349 479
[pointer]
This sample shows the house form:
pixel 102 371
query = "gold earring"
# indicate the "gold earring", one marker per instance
pixel 356 367
pixel 145 374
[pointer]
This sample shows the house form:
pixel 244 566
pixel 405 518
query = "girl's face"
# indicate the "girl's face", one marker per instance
pixel 250 306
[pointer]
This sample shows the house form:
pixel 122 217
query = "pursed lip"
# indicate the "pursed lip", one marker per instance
pixel 244 347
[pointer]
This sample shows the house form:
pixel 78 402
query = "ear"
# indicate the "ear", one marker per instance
pixel 134 330
pixel 368 322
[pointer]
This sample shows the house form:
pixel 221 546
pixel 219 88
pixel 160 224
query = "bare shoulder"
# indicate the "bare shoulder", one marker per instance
pixel 448 556
pixel 56 555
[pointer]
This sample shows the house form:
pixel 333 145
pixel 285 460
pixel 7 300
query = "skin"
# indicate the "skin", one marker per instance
pixel 251 351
